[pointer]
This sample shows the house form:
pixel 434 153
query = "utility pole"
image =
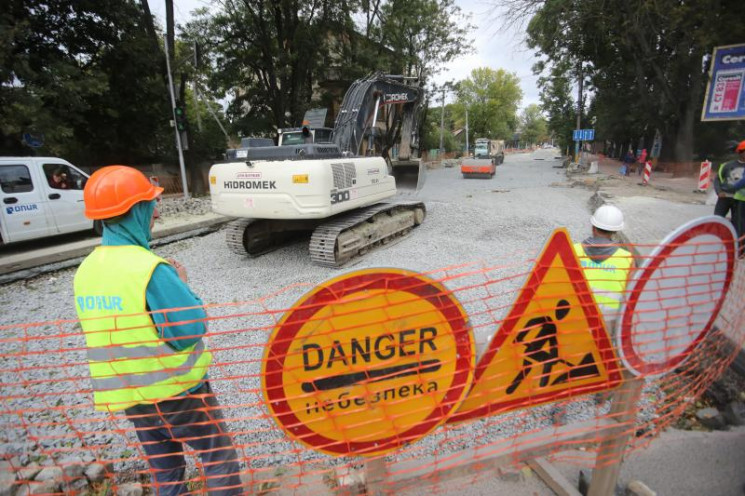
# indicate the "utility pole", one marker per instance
pixel 579 110
pixel 173 116
pixel 442 120
pixel 466 131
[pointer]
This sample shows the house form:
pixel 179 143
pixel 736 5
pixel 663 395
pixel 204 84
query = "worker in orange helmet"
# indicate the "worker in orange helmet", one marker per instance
pixel 146 359
pixel 731 180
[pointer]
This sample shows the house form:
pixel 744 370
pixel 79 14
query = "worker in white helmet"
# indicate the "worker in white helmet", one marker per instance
pixel 606 265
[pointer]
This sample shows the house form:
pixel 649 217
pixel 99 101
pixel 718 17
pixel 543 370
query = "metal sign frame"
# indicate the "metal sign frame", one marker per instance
pixel 637 361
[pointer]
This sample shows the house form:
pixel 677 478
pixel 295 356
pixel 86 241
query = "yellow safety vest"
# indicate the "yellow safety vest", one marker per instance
pixel 608 278
pixel 737 195
pixel 129 363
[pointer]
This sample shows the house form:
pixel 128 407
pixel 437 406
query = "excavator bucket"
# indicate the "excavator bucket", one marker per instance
pixel 409 174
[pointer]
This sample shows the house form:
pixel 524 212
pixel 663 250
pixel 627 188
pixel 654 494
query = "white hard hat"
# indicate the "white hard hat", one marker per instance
pixel 608 218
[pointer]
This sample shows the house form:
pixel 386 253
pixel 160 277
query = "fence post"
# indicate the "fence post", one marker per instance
pixel 375 472
pixel 610 455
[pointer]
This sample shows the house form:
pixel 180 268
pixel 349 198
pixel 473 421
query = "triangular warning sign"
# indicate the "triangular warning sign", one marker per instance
pixel 552 345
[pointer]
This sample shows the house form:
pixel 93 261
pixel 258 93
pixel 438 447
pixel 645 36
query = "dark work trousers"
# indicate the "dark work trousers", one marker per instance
pixel 738 220
pixel 195 420
pixel 724 206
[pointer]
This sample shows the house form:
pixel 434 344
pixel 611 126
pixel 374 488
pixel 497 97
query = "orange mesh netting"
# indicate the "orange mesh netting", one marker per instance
pixel 412 379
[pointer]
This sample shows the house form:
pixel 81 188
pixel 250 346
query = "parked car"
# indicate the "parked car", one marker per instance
pixel 41 196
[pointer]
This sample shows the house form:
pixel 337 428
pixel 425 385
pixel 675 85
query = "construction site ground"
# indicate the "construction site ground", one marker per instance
pixel 678 462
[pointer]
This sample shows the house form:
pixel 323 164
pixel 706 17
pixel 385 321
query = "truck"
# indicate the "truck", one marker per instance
pixel 41 197
pixel 340 191
pixel 493 150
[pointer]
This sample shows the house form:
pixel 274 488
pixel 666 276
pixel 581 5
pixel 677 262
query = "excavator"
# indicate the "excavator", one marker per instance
pixel 342 191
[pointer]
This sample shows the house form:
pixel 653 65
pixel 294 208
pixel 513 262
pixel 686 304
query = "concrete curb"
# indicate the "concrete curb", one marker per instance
pixel 22 265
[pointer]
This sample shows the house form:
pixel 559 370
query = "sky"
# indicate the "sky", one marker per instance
pixel 494 45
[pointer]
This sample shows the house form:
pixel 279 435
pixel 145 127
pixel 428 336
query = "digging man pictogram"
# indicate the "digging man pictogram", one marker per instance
pixel 543 349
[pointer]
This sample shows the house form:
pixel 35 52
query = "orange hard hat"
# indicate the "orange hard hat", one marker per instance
pixel 114 189
pixel 740 147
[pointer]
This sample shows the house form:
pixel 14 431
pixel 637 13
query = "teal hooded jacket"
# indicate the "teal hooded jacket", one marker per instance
pixel 182 328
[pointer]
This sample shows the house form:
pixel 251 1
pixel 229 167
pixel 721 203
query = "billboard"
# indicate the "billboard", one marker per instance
pixel 725 92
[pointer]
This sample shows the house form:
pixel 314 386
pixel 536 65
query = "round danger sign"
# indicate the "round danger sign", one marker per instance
pixel 676 296
pixel 368 361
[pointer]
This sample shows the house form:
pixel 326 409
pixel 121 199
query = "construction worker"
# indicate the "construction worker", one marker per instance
pixel 606 265
pixel 732 180
pixel 146 360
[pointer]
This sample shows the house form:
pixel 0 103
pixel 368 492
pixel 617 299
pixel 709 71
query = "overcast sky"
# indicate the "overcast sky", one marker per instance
pixel 493 46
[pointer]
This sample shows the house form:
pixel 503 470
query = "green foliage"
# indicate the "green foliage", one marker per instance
pixel 533 125
pixel 430 136
pixel 85 75
pixel 557 102
pixel 641 60
pixel 491 97
pixel 425 34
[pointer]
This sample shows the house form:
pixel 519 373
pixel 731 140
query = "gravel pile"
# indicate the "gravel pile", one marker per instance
pixel 494 226
pixel 177 206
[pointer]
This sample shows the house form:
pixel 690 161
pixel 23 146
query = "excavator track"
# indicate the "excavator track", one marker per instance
pixel 347 236
pixel 254 237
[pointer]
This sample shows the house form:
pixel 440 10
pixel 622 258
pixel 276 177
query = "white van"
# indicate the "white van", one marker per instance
pixel 41 196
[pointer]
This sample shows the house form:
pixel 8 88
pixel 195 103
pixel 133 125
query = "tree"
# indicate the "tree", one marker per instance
pixel 644 64
pixel 533 125
pixel 427 34
pixel 557 101
pixel 85 76
pixel 270 56
pixel 491 97
pixel 267 55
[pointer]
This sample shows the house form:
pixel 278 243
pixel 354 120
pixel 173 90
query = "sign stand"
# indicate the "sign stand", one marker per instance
pixel 375 474
pixel 610 455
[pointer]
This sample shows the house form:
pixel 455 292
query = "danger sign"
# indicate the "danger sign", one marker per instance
pixel 552 345
pixel 368 361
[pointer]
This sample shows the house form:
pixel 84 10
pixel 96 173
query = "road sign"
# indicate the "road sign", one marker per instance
pixel 725 93
pixel 368 361
pixel 676 295
pixel 583 135
pixel 552 345
pixel 34 140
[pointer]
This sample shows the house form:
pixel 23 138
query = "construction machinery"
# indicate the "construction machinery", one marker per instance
pixel 489 149
pixel 477 167
pixel 341 191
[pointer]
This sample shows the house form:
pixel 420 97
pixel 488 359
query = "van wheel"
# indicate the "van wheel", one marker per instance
pixel 98 227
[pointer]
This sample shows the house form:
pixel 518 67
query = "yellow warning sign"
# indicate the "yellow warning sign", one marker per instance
pixel 552 345
pixel 368 362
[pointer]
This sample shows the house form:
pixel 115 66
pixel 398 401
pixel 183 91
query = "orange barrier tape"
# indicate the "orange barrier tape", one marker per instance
pixel 428 377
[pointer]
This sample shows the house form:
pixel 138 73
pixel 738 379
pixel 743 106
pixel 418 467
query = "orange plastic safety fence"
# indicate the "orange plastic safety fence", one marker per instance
pixel 387 378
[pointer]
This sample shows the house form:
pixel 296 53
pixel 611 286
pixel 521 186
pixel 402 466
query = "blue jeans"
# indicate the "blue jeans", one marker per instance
pixel 196 420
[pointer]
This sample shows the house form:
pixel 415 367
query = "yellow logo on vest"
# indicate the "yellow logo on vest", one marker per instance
pixel 552 344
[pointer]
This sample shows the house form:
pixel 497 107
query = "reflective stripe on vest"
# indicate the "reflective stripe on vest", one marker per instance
pixel 129 363
pixel 607 279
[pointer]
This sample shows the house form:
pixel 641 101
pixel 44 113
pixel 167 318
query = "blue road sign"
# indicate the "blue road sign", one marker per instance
pixel 583 135
pixel 33 140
